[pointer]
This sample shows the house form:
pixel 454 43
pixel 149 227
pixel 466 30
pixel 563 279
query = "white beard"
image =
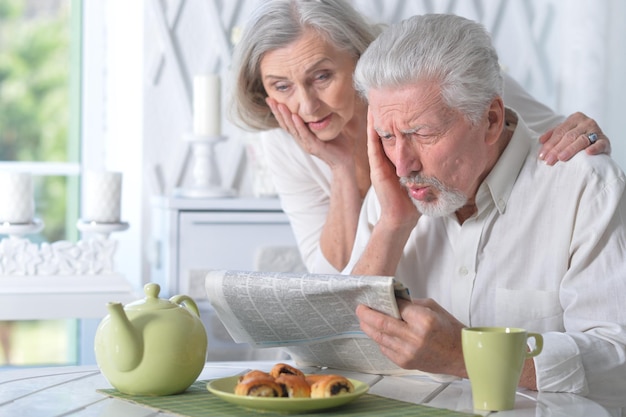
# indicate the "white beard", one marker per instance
pixel 447 202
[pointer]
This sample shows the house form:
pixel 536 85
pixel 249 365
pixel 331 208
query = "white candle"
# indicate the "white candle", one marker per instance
pixel 206 105
pixel 102 194
pixel 16 198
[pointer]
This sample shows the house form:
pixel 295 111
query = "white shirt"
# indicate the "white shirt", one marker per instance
pixel 546 251
pixel 303 181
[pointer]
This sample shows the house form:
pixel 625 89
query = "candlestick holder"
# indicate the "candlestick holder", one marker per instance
pixel 206 178
pixel 20 229
pixel 101 230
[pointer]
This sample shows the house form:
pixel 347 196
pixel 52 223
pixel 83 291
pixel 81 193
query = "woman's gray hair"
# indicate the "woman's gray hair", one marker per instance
pixel 451 50
pixel 274 25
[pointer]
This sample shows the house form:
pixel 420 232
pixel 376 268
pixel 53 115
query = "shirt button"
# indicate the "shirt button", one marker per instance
pixel 463 271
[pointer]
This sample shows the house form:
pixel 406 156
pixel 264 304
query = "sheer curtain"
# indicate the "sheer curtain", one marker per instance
pixel 584 58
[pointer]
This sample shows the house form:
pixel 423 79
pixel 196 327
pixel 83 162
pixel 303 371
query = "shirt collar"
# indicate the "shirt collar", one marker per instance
pixel 497 187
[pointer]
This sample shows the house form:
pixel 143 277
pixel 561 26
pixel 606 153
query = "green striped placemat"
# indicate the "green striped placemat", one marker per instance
pixel 198 402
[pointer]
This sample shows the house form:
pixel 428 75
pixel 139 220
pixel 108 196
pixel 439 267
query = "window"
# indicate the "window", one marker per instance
pixel 39 105
pixel 39 134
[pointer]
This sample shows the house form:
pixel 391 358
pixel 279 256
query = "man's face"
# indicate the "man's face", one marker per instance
pixel 440 157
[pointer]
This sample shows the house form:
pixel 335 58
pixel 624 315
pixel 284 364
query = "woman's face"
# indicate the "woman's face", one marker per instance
pixel 314 80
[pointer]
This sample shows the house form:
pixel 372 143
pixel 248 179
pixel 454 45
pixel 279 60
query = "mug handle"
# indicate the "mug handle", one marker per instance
pixel 538 345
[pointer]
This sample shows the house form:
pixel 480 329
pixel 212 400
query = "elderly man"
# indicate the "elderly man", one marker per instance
pixel 480 231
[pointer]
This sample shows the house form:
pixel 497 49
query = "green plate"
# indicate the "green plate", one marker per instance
pixel 225 389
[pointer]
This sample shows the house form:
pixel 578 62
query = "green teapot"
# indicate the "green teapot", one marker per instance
pixel 152 346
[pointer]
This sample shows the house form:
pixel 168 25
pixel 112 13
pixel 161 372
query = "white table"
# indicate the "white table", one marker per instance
pixel 71 391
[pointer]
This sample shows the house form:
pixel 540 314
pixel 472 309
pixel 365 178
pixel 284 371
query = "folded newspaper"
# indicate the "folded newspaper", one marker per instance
pixel 312 316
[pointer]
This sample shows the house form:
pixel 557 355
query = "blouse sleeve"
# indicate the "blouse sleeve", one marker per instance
pixel 303 185
pixel 537 116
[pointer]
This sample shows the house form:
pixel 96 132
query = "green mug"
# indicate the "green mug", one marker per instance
pixel 494 358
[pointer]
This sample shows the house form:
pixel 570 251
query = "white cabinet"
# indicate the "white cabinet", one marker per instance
pixel 228 240
pixel 192 234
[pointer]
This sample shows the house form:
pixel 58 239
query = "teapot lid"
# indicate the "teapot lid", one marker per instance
pixel 152 300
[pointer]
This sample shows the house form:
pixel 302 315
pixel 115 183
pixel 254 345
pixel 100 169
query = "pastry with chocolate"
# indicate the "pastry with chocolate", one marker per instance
pixel 283 368
pixel 331 386
pixel 294 386
pixel 254 374
pixel 259 387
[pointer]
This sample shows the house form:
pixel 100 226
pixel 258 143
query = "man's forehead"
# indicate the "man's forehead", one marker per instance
pixel 406 108
pixel 417 95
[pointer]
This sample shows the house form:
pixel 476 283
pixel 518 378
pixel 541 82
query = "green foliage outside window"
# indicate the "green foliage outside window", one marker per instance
pixel 34 97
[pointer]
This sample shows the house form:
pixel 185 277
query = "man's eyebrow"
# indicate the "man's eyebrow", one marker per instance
pixel 404 132
pixel 382 133
pixel 411 130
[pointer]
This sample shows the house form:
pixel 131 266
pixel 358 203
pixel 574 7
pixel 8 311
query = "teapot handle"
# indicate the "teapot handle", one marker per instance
pixel 187 302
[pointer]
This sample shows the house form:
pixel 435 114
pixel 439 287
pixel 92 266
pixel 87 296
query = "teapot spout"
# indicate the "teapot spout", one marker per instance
pixel 125 340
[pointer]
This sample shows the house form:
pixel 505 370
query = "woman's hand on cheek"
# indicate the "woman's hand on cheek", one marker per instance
pixel 295 126
pixel 335 152
pixel 282 114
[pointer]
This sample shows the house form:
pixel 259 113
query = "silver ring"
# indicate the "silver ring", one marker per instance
pixel 593 138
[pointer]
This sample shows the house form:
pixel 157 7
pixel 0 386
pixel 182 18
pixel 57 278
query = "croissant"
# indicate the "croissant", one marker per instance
pixel 330 386
pixel 259 387
pixel 283 368
pixel 294 385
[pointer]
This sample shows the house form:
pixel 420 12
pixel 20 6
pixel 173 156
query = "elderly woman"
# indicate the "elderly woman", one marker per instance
pixel 293 81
